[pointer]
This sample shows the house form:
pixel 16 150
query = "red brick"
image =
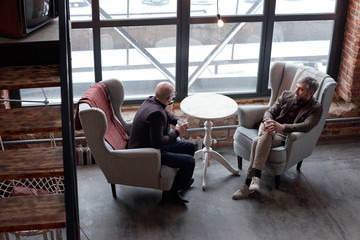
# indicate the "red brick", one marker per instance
pixel 335 131
pixel 348 65
pixel 348 131
pixel 343 88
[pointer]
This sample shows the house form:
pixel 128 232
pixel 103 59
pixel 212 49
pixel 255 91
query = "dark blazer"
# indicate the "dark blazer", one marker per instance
pixel 306 119
pixel 151 126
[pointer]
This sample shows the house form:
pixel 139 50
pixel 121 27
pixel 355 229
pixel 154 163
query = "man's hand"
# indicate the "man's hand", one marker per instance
pixel 181 128
pixel 271 125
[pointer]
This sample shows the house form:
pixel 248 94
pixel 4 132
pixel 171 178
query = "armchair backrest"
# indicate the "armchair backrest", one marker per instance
pixel 116 94
pixel 106 98
pixel 94 121
pixel 284 76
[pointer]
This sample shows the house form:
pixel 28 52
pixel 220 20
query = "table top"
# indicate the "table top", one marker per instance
pixel 208 106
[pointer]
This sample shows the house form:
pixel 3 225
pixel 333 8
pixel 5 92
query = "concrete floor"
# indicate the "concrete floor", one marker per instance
pixel 322 201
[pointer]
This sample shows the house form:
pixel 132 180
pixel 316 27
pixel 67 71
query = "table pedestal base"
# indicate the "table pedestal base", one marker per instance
pixel 207 153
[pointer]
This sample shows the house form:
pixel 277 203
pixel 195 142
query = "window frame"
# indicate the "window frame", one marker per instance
pixel 183 20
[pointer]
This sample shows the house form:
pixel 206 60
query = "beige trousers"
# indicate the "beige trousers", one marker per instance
pixel 260 149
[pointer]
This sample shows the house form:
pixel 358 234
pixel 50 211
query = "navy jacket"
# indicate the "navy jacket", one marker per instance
pixel 151 126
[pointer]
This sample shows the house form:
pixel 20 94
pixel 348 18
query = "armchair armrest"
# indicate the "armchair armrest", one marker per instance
pixel 299 145
pixel 136 167
pixel 139 157
pixel 250 115
pixel 292 137
pixel 141 160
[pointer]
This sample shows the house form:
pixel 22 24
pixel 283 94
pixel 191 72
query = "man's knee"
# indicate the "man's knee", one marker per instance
pixel 188 162
pixel 192 148
pixel 189 148
pixel 191 162
pixel 278 140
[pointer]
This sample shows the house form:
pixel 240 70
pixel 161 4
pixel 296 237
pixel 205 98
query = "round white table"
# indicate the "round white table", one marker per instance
pixel 209 106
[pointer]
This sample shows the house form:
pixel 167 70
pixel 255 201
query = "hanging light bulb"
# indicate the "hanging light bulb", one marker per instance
pixel 220 22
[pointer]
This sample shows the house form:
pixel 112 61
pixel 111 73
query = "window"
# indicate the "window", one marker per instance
pixel 143 42
pixel 82 61
pixel 302 42
pixel 139 62
pixel 305 6
pixel 200 8
pixel 138 9
pixel 224 59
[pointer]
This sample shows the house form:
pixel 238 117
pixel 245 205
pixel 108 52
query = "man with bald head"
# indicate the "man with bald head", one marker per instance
pixel 150 128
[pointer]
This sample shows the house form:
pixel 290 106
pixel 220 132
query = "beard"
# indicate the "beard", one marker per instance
pixel 303 99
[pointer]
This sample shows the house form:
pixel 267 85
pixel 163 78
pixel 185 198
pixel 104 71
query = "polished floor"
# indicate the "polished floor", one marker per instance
pixel 322 201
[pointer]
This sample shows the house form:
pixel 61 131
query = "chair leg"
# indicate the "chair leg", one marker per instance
pixel 277 181
pixel 239 159
pixel 113 189
pixel 298 166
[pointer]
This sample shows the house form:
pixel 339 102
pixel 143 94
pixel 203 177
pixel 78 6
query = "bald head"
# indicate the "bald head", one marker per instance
pixel 164 90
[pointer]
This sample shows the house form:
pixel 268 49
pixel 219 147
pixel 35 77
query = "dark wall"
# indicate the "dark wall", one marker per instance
pixel 33 53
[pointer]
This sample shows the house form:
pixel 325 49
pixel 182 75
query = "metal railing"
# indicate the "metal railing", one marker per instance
pixel 191 130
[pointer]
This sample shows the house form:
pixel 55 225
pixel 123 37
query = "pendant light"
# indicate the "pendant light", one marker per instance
pixel 220 22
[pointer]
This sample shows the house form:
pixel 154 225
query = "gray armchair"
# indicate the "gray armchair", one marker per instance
pixel 298 145
pixel 134 167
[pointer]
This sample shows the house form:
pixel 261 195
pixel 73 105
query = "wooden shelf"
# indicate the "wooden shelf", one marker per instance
pixel 19 121
pixel 34 76
pixel 32 212
pixel 49 32
pixel 31 163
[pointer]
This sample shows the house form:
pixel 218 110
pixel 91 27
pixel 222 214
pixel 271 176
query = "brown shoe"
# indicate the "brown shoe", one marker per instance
pixel 242 193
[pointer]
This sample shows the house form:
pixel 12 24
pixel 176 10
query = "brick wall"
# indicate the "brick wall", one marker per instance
pixel 347 97
pixel 4 94
pixel 340 130
pixel 349 74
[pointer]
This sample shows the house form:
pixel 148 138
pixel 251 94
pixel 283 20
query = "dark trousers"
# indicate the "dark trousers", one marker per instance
pixel 180 155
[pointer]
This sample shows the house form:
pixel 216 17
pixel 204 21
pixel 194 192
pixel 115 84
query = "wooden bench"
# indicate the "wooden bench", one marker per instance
pixel 31 163
pixel 32 212
pixel 34 76
pixel 19 121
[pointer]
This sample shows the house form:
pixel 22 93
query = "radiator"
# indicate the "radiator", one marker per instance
pixel 198 141
pixel 83 156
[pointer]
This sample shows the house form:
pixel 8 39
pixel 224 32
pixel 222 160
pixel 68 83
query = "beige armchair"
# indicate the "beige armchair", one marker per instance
pixel 134 167
pixel 298 145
